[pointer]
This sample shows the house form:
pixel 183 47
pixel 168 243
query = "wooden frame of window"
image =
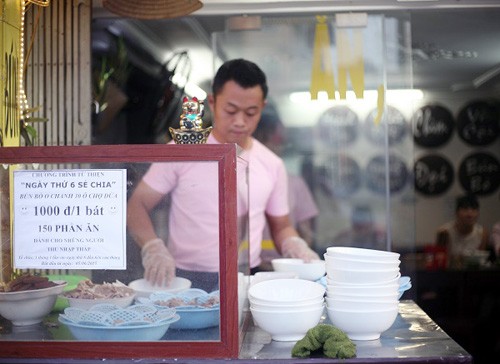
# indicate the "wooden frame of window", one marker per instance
pixel 225 156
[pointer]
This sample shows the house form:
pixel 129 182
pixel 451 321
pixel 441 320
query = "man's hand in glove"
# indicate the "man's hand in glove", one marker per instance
pixel 295 247
pixel 158 263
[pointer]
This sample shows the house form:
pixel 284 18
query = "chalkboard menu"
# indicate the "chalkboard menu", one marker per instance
pixel 477 123
pixel 341 175
pixel 432 126
pixel 433 175
pixel 375 174
pixel 479 173
pixel 393 123
pixel 338 126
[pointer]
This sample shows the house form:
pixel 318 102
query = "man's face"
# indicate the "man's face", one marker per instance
pixel 467 216
pixel 236 112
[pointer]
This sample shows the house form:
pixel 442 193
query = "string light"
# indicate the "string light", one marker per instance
pixel 22 99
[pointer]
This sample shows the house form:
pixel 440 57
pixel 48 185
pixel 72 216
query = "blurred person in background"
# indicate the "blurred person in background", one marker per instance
pixel 363 233
pixel 463 236
pixel 303 210
pixel 495 239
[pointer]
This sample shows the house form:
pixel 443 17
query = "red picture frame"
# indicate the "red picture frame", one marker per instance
pixel 225 156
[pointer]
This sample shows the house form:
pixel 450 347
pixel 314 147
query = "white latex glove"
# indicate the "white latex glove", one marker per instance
pixel 158 263
pixel 295 247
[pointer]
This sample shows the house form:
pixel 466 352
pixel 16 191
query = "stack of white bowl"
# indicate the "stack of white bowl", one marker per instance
pixel 362 291
pixel 286 308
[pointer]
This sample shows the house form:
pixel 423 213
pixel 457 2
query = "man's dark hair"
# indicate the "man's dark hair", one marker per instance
pixel 245 73
pixel 468 201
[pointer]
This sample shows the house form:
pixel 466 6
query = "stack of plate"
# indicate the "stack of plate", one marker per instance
pixel 362 291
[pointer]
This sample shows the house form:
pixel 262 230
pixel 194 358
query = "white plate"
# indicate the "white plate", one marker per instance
pixel 143 288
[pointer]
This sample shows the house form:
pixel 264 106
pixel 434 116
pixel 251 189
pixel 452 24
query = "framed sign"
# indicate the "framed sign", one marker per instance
pixel 432 126
pixel 338 126
pixel 433 175
pixel 477 123
pixel 376 176
pixel 479 173
pixel 97 161
pixel 393 123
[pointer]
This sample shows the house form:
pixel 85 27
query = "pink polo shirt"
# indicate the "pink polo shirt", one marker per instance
pixel 193 227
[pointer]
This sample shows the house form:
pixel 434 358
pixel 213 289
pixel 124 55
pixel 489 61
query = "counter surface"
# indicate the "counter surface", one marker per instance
pixel 413 338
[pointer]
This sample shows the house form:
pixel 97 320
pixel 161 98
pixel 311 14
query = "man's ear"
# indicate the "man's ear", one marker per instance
pixel 211 101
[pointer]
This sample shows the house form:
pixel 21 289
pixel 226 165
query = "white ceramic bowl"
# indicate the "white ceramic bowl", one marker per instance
pixel 144 289
pixel 266 276
pixel 352 263
pixel 386 297
pixel 362 290
pixel 358 276
pixel 361 305
pixel 287 325
pixel 29 307
pixel 342 276
pixel 287 307
pixel 86 304
pixel 362 325
pixel 286 291
pixel 362 253
pixel 311 271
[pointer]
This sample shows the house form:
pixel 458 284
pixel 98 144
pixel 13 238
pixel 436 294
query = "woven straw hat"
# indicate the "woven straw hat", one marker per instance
pixel 152 9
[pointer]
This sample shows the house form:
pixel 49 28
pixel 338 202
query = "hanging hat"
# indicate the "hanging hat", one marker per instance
pixel 152 9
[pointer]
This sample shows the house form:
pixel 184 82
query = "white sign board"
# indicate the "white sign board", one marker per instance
pixel 70 219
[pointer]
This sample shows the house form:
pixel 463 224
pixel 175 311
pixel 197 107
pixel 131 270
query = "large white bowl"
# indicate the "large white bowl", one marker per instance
pixel 386 297
pixel 361 305
pixel 362 325
pixel 311 271
pixel 352 263
pixel 357 276
pixel 362 253
pixel 362 279
pixel 288 306
pixel 287 325
pixel 266 276
pixel 143 288
pixel 362 290
pixel 286 291
pixel 29 307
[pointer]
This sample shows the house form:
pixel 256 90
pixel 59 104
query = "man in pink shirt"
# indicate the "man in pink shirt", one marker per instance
pixel 239 92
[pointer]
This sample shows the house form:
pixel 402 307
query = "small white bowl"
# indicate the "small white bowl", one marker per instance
pixel 351 263
pixel 362 253
pixel 287 325
pixel 286 290
pixel 311 271
pixel 362 290
pixel 143 288
pixel 361 305
pixel 359 325
pixel 332 282
pixel 385 297
pixel 24 308
pixel 362 276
